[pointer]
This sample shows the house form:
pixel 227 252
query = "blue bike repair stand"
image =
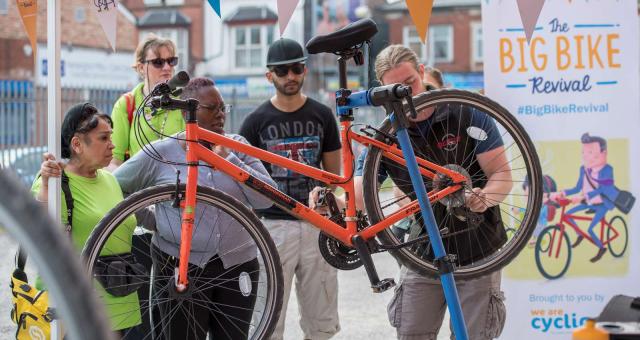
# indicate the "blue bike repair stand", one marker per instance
pixel 445 270
pixel 391 96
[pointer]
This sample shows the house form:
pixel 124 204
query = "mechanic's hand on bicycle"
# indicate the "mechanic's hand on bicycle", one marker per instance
pixel 317 201
pixel 476 200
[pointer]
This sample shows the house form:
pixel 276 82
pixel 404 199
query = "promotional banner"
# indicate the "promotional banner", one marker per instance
pixel 574 86
pixel 29 13
pixel 107 13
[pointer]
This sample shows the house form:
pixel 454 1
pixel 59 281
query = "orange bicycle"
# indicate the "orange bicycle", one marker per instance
pixel 553 247
pixel 348 236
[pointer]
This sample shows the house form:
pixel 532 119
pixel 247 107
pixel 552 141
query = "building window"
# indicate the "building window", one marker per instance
pixel 79 14
pixel 180 37
pixel 4 6
pixel 163 2
pixel 250 46
pixel 153 2
pixel 476 42
pixel 411 39
pixel 439 47
pixel 441 43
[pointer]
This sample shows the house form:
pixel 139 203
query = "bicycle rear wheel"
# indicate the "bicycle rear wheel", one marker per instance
pixel 467 133
pixel 236 294
pixel 56 261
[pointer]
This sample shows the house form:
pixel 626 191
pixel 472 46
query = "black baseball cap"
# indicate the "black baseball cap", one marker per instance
pixel 285 51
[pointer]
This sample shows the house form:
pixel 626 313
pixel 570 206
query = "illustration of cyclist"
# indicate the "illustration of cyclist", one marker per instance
pixel 594 189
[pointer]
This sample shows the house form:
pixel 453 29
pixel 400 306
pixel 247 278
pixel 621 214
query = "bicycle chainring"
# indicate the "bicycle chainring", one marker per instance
pixel 336 253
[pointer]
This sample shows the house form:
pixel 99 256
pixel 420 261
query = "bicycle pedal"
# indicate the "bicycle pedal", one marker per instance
pixel 383 285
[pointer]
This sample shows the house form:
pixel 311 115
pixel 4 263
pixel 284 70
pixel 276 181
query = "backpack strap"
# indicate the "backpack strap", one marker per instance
pixel 130 100
pixel 21 258
pixel 21 255
pixel 68 199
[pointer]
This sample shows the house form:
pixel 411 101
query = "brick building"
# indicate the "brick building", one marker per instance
pixel 180 20
pixel 454 41
pixel 80 34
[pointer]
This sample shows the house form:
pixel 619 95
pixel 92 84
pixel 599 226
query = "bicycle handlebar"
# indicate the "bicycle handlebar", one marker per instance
pixel 376 96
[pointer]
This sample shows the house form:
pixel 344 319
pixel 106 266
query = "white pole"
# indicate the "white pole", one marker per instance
pixel 54 116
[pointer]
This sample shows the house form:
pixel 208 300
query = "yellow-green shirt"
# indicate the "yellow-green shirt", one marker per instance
pixel 92 199
pixel 126 138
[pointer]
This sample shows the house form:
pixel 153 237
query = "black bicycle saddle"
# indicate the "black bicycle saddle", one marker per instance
pixel 343 39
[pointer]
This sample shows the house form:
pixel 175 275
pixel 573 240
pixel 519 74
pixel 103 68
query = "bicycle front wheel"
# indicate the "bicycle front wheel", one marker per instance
pixel 235 277
pixel 476 137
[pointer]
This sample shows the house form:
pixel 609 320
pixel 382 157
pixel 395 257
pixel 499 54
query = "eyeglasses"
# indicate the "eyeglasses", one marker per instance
pixel 283 70
pixel 224 108
pixel 159 62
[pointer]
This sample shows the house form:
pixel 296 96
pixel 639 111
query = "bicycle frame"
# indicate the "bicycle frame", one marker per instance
pixel 391 98
pixel 197 152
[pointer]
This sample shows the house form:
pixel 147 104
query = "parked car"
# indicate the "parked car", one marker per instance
pixel 23 161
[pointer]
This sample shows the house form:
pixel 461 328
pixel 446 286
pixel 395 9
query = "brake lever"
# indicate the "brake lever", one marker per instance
pixel 413 114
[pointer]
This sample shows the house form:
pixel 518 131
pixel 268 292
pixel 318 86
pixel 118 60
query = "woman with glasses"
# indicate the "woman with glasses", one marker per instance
pixel 155 63
pixel 225 267
pixel 91 193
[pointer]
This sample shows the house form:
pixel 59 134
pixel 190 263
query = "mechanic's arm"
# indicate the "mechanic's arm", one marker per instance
pixel 496 167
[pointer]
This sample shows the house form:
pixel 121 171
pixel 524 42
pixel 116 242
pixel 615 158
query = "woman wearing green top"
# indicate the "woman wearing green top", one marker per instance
pixel 155 63
pixel 86 143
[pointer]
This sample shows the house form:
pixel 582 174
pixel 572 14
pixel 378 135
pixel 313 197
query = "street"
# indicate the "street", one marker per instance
pixel 363 314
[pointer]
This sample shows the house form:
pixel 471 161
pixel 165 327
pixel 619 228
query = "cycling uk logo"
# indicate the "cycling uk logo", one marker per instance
pixel 556 321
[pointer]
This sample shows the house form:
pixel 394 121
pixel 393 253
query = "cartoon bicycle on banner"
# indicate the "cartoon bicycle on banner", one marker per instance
pixel 594 195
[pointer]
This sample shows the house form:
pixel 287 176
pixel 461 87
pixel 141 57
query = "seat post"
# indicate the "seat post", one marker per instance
pixel 342 71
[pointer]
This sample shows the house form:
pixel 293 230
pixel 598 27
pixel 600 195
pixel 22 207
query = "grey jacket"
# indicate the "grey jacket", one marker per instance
pixel 214 232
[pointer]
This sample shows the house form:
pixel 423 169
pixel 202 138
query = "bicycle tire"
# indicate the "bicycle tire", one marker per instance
pixel 414 257
pixel 269 287
pixel 624 233
pixel 551 249
pixel 58 264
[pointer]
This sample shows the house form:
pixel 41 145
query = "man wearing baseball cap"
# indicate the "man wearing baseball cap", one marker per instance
pixel 297 127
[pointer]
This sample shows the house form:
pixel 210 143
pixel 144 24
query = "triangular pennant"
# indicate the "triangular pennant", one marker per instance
pixel 285 11
pixel 420 11
pixel 215 4
pixel 529 13
pixel 107 13
pixel 29 14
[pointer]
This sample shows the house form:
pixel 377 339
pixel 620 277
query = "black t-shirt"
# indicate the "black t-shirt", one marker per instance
pixel 303 135
pixel 443 139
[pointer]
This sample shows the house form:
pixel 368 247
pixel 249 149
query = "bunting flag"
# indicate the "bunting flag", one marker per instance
pixel 107 13
pixel 285 11
pixel 529 13
pixel 29 14
pixel 420 11
pixel 215 4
